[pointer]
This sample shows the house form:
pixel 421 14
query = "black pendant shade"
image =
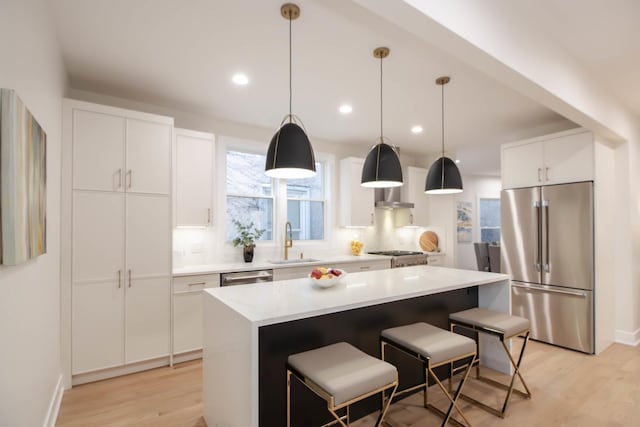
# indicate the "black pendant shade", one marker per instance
pixel 382 168
pixel 443 177
pixel 290 154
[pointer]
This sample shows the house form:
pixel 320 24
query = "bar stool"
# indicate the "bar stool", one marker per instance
pixel 433 347
pixel 504 327
pixel 342 375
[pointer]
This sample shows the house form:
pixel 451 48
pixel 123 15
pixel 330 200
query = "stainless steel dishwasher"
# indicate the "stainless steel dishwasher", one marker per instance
pixel 246 277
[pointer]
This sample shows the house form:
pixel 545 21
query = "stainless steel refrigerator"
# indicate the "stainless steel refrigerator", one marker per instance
pixel 547 248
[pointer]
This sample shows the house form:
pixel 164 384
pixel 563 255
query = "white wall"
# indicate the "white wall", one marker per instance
pixel 30 292
pixel 475 187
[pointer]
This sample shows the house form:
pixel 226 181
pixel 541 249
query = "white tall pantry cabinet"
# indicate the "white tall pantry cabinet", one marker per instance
pixel 120 227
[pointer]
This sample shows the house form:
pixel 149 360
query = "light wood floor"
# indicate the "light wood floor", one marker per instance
pixel 569 389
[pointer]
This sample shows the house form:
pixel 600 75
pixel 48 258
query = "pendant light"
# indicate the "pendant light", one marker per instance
pixel 444 176
pixel 290 154
pixel 382 166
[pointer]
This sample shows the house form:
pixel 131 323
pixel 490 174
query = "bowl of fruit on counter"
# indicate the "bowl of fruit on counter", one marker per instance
pixel 326 277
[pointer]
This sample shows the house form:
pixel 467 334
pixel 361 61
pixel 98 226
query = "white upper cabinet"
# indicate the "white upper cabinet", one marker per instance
pixel 554 159
pixel 98 151
pixel 145 173
pixel 356 202
pixel 194 177
pixel 111 152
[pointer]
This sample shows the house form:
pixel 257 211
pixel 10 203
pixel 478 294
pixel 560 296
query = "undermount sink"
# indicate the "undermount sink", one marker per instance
pixel 294 261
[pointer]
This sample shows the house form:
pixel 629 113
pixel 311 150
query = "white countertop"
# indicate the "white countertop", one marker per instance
pixel 276 302
pixel 262 265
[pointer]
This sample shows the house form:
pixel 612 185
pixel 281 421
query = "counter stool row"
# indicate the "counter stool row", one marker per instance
pixel 342 375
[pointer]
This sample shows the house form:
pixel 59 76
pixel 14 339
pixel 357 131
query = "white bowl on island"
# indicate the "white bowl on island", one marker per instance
pixel 326 277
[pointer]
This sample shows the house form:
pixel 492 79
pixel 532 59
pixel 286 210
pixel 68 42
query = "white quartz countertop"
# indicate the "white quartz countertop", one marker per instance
pixel 276 302
pixel 262 265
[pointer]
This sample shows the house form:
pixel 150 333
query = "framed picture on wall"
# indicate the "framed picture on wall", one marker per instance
pixel 23 182
pixel 464 221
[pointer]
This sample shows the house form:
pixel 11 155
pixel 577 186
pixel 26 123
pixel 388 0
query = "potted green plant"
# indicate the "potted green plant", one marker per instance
pixel 247 236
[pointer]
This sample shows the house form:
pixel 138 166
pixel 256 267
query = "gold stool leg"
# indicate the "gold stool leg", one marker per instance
pixel 288 398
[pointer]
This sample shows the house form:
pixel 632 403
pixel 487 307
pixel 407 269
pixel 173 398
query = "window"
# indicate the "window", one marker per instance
pixel 249 193
pixel 490 220
pixel 305 206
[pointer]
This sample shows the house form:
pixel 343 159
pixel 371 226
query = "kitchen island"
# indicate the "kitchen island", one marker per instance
pixel 250 330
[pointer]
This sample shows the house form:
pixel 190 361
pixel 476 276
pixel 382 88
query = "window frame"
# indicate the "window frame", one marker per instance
pixel 325 185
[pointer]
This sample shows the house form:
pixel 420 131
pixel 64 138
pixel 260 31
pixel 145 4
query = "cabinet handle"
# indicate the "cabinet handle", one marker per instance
pixel 130 175
pixel 209 216
pixel 119 279
pixel 546 174
pixel 411 219
pixel 197 283
pixel 365 267
pixel 371 219
pixel 539 172
pixel 119 178
pixel 129 278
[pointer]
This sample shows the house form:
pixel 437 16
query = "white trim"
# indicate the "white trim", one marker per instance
pixel 628 338
pixel 116 371
pixel 54 405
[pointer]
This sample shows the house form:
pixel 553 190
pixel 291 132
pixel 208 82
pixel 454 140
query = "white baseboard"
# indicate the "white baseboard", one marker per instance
pixel 54 405
pixel 89 377
pixel 628 338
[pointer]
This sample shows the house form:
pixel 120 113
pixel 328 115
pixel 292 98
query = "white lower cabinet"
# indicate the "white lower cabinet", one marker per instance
pixel 148 315
pixel 187 311
pixel 97 325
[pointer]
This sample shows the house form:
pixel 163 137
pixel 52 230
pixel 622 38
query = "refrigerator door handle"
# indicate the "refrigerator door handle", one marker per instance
pixel 545 205
pixel 552 291
pixel 538 263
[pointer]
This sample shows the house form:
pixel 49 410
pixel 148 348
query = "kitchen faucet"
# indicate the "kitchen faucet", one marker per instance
pixel 288 242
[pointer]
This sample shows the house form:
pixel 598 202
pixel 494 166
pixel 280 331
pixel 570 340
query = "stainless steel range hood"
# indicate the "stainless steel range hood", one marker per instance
pixel 389 198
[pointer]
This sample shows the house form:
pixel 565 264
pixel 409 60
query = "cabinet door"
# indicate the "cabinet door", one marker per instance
pixel 187 321
pixel 569 159
pixel 148 157
pixel 356 201
pixel 97 331
pixel 355 267
pixel 148 315
pixel 98 151
pixel 522 165
pixel 194 178
pixel 148 241
pixel 98 235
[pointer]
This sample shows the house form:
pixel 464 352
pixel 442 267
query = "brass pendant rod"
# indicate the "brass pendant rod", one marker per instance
pixel 442 120
pixel 381 103
pixel 290 74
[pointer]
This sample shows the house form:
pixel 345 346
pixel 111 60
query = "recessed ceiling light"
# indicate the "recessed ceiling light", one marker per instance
pixel 240 79
pixel 345 108
pixel 416 129
pixel 457 161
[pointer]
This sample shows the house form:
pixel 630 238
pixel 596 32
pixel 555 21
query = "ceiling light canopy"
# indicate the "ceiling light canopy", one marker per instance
pixel 382 167
pixel 444 176
pixel 417 129
pixel 290 154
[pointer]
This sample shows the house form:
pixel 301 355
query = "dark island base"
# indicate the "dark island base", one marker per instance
pixel 360 327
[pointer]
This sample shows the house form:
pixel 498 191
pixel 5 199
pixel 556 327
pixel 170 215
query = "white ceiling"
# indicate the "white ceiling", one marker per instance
pixel 182 54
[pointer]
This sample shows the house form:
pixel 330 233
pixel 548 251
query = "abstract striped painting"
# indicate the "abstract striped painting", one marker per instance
pixel 23 179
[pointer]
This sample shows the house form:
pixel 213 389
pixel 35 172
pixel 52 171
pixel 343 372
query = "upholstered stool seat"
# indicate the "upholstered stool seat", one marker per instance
pixel 503 326
pixel 341 374
pixel 433 347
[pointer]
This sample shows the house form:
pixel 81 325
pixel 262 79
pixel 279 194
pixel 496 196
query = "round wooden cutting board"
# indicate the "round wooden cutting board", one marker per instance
pixel 429 241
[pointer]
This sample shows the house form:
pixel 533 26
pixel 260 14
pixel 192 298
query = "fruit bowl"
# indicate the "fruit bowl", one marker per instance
pixel 326 277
